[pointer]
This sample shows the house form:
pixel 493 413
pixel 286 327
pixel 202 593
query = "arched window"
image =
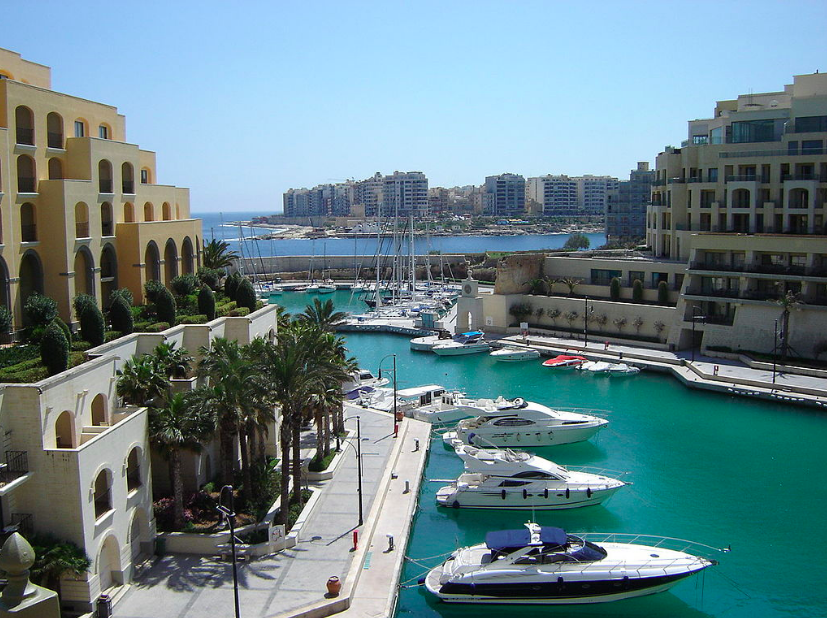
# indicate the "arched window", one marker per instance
pixel 104 131
pixel 65 430
pixel 25 174
pixel 109 272
pixel 166 211
pixel 170 262
pixel 55 169
pixel 187 257
pixel 28 222
pixel 24 124
pixel 133 469
pixel 5 295
pixel 54 130
pixel 103 493
pixel 31 278
pixel 149 212
pixel 152 262
pixel 80 128
pixel 105 176
pixel 127 178
pixel 100 415
pixel 84 272
pixel 146 176
pixel 107 225
pixel 128 213
pixel 108 566
pixel 81 220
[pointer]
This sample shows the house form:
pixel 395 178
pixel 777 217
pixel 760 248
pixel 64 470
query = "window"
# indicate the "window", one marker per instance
pixel 80 130
pixel 604 277
pixel 750 131
pixel 809 145
pixel 712 174
pixel 144 176
pixel 513 422
pixel 103 132
pixel 811 124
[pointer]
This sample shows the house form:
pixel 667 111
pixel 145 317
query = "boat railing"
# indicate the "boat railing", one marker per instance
pixel 598 471
pixel 682 545
pixel 589 411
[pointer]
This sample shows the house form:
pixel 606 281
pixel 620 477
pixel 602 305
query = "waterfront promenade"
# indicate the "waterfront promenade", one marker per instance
pixel 292 583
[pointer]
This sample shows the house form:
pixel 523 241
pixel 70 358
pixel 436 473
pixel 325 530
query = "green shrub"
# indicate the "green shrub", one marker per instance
pixel 193 319
pixel 65 328
pixel 206 302
pixel 320 464
pixel 80 346
pixel 142 326
pixel 25 376
pixel 120 316
pixel 111 335
pixel 184 285
pixel 16 354
pixel 614 289
pixel 165 307
pixel 231 284
pixel 35 334
pixel 245 295
pixel 239 313
pixel 5 319
pixel 210 277
pixel 92 325
pixel 54 349
pixel 82 302
pixel 152 290
pixel 663 292
pixel 637 291
pixel 157 327
pixel 39 310
pixel 123 293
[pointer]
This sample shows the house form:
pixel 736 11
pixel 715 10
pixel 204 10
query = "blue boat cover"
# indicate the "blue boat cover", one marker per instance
pixel 358 392
pixel 505 539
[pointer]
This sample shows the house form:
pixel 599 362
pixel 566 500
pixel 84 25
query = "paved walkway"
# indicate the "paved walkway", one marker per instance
pixel 184 586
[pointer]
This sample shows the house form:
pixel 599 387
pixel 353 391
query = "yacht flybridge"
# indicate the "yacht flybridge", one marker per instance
pixel 544 565
pixel 526 424
pixel 506 479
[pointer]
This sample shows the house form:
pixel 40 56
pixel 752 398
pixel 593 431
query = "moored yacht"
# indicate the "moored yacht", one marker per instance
pixel 544 565
pixel 466 343
pixel 526 424
pixel 515 354
pixel 506 479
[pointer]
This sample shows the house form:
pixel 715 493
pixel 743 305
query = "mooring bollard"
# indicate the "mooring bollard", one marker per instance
pixel 407 487
pixel 355 540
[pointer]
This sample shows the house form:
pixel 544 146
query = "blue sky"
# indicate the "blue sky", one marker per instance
pixel 243 100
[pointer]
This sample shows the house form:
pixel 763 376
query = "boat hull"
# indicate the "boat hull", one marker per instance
pixel 515 357
pixel 552 500
pixel 564 434
pixel 460 350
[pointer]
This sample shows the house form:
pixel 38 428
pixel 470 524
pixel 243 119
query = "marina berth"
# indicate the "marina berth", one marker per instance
pixel 526 424
pixel 506 479
pixel 545 565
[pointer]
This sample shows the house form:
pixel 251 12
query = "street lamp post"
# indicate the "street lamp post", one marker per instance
pixel 774 349
pixel 358 452
pixel 586 324
pixel 229 513
pixel 395 428
pixel 694 319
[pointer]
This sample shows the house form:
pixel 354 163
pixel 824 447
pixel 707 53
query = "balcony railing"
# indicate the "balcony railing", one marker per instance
pixel 105 185
pixel 770 153
pixel 716 267
pixel 800 177
pixel 25 136
pixel 55 140
pixel 724 320
pixel 742 178
pixel 761 295
pixel 81 230
pixel 676 181
pixel 17 465
pixel 28 233
pixel 19 522
pixel 128 186
pixel 25 184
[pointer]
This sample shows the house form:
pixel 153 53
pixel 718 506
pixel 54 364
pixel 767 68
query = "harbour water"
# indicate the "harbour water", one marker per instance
pixel 217 226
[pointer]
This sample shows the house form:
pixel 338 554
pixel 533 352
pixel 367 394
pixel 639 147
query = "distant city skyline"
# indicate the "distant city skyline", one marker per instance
pixel 241 106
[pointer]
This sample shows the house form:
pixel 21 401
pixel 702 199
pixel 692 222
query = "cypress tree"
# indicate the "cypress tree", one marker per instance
pixel 54 349
pixel 614 289
pixel 92 325
pixel 165 307
pixel 231 285
pixel 637 291
pixel 245 296
pixel 206 302
pixel 663 293
pixel 120 315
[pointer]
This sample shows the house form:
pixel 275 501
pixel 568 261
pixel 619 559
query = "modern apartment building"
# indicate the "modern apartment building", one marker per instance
pixel 405 194
pixel 369 194
pixel 626 205
pixel 322 200
pixel 557 195
pixel 504 195
pixel 80 207
pixel 592 192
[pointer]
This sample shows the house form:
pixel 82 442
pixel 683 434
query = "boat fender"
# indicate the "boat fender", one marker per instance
pixel 560 580
pixel 503 494
pixel 421 581
pixel 525 494
pixel 455 504
pixel 568 493
pixel 519 402
pixel 588 492
pixel 545 493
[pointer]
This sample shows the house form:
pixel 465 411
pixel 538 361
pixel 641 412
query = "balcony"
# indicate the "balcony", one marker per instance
pixel 677 181
pixel 16 466
pixel 128 187
pixel 716 267
pixel 19 522
pixel 761 295
pixel 105 185
pixel 55 140
pixel 771 153
pixel 786 177
pixel 742 178
pixel 26 184
pixel 25 137
pixel 28 233
pixel 82 230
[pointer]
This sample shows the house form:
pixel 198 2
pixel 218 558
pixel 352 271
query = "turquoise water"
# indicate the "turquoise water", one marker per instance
pixel 706 467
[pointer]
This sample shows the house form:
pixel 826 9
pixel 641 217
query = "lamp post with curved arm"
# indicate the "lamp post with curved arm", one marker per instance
pixel 395 428
pixel 358 452
pixel 228 510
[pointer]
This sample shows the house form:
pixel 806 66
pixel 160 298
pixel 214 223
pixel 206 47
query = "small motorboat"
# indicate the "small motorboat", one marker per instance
pixel 465 343
pixel 312 288
pixel 506 479
pixel 565 360
pixel 523 423
pixel 545 565
pixel 326 288
pixel 594 367
pixel 514 354
pixel 427 343
pixel 622 369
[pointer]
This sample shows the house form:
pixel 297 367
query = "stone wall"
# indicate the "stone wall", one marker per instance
pixel 514 271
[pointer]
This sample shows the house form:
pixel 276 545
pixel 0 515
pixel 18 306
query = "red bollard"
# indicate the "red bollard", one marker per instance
pixel 395 429
pixel 355 540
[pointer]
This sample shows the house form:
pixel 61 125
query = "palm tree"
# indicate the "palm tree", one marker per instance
pixel 55 558
pixel 323 315
pixel 788 302
pixel 217 254
pixel 173 363
pixel 140 382
pixel 180 424
pixel 571 283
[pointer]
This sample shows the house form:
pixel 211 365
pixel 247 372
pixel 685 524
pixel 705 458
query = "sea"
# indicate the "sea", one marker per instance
pixel 218 225
pixel 721 470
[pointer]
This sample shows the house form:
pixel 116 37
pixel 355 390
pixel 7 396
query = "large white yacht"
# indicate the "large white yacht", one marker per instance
pixel 506 479
pixel 455 406
pixel 544 565
pixel 466 343
pixel 526 424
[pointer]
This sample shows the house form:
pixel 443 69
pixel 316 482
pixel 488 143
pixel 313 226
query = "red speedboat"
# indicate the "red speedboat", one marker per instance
pixel 564 360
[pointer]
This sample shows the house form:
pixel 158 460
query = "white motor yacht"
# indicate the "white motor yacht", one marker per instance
pixel 466 343
pixel 427 343
pixel 622 369
pixel 514 354
pixel 506 479
pixel 526 424
pixel 545 565
pixel 594 367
